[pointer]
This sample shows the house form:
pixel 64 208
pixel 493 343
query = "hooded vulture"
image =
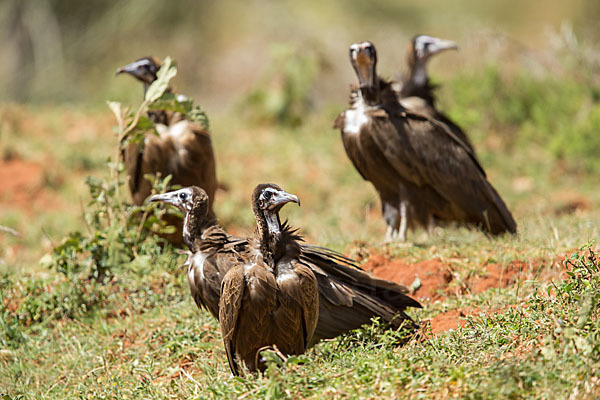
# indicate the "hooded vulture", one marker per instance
pixel 414 89
pixel 348 296
pixel 272 298
pixel 182 149
pixel 421 169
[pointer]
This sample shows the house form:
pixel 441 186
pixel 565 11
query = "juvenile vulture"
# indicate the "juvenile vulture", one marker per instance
pixel 182 149
pixel 421 169
pixel 415 91
pixel 348 296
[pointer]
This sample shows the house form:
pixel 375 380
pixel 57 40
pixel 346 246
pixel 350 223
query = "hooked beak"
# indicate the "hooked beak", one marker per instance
pixel 440 45
pixel 281 198
pixel 135 69
pixel 169 198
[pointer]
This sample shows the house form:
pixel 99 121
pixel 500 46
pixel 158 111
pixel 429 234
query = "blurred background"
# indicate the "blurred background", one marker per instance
pixel 272 76
pixel 67 50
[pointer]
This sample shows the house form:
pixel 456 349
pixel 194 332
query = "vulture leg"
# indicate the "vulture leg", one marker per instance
pixel 403 222
pixel 390 215
pixel 390 234
pixel 430 225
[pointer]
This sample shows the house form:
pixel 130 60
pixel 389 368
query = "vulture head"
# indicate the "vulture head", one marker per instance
pixel 186 199
pixel 193 201
pixel 144 69
pixel 363 58
pixel 267 200
pixel 424 46
pixel 419 50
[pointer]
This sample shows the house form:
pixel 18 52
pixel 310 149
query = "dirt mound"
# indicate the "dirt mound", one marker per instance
pixel 436 276
pixel 437 280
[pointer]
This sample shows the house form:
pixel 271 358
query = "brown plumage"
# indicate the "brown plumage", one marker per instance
pixel 212 250
pixel 271 299
pixel 348 296
pixel 182 149
pixel 416 92
pixel 421 169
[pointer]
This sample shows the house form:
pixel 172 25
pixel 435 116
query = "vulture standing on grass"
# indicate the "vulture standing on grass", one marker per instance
pixel 348 296
pixel 271 298
pixel 415 91
pixel 182 149
pixel 421 169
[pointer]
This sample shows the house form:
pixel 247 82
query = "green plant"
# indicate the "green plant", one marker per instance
pixel 120 237
pixel 283 95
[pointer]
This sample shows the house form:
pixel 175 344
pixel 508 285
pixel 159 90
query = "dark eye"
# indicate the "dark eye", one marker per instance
pixel 267 195
pixel 183 196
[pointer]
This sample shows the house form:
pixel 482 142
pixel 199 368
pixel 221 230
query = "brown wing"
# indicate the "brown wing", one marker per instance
pixel 350 297
pixel 215 253
pixel 256 318
pixel 152 160
pixel 297 314
pixel 445 165
pixel 205 275
pixel 450 181
pixel 418 105
pixel 195 158
pixel 232 292
pixel 310 300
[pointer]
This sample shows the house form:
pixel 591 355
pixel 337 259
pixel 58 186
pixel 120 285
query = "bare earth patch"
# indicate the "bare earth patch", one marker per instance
pixel 22 186
pixel 437 277
pixel 448 320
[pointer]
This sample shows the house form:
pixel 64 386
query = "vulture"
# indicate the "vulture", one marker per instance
pixel 348 297
pixel 422 171
pixel 182 149
pixel 415 91
pixel 271 299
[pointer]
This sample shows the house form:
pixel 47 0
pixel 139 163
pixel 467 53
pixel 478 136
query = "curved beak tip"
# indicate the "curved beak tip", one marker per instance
pixel 155 198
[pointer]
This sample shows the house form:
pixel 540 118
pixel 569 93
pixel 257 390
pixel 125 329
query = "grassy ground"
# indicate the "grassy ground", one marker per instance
pixel 140 335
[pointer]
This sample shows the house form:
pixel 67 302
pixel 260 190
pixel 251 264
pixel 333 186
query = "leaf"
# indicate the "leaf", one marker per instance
pixel 115 107
pixel 168 102
pixel 196 114
pixel 166 72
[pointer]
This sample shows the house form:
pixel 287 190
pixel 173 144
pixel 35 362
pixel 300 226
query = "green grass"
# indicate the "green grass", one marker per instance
pixel 66 333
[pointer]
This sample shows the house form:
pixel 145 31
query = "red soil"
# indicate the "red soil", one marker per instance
pixel 449 320
pixel 433 274
pixel 436 275
pixel 436 278
pixel 22 186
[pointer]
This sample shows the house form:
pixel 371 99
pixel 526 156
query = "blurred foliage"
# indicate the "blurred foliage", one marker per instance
pixel 555 107
pixel 562 116
pixel 283 95
pixel 120 238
